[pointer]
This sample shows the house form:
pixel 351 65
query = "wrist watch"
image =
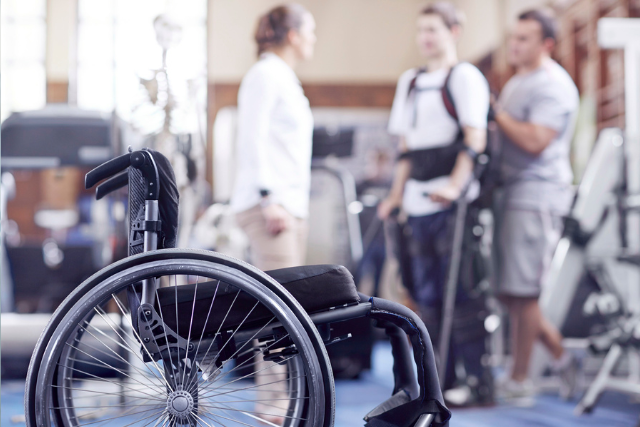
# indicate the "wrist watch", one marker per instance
pixel 265 200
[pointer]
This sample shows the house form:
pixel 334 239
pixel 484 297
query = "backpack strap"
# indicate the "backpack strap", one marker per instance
pixel 412 83
pixel 447 98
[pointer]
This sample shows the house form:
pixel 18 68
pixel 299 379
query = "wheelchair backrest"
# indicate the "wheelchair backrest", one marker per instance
pixel 149 176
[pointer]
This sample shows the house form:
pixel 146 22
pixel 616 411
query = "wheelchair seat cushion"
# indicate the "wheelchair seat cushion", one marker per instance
pixel 316 287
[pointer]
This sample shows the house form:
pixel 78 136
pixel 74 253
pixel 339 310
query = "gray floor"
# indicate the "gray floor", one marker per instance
pixel 356 398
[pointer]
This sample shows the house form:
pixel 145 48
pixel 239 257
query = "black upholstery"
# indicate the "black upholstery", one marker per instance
pixel 316 287
pixel 168 201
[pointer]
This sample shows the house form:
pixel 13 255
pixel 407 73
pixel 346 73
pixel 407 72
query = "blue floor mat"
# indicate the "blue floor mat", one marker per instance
pixel 356 398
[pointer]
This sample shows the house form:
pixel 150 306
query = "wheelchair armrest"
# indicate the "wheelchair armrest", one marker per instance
pixel 427 408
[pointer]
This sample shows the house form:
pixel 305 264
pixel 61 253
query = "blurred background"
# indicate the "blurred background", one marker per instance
pixel 83 80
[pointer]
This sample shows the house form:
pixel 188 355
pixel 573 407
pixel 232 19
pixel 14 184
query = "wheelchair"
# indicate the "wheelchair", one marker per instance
pixel 171 337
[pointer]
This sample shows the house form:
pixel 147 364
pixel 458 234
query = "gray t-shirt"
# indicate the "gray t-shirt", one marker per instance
pixel 547 97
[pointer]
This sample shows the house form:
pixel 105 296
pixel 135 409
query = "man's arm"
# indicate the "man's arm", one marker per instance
pixel 476 140
pixel 400 177
pixel 530 137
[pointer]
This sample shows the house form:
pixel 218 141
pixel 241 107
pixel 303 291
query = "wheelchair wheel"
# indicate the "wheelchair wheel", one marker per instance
pixel 219 343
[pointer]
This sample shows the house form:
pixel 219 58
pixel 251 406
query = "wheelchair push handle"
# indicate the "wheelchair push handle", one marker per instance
pixel 112 184
pixel 106 170
pixel 141 160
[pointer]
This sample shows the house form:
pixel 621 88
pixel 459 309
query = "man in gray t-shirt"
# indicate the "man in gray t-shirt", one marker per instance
pixel 535 167
pixel 536 112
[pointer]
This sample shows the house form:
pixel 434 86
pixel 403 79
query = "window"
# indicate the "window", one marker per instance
pixel 117 46
pixel 23 55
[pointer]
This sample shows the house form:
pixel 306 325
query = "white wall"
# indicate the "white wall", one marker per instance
pixel 358 40
pixel 364 41
pixel 61 26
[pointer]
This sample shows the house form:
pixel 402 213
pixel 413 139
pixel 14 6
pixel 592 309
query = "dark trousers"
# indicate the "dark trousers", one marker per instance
pixel 432 237
pixel 373 261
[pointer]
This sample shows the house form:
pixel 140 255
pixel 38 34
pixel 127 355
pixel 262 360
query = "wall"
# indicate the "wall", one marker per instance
pixel 61 26
pixel 360 41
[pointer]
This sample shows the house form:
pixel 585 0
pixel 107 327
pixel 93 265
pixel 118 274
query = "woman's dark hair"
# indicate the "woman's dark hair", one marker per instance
pixel 447 11
pixel 545 18
pixel 274 26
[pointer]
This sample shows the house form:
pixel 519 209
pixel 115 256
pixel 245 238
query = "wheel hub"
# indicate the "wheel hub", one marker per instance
pixel 180 404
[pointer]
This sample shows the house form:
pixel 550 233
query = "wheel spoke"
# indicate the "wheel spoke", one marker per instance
pixel 252 374
pixel 104 374
pixel 128 415
pixel 142 345
pixel 131 350
pixel 101 363
pixel 105 364
pixel 104 380
pixel 253 363
pixel 193 308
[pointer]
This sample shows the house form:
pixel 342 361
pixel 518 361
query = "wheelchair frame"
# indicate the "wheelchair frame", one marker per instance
pixel 416 400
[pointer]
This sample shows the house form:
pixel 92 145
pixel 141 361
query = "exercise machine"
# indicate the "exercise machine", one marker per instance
pixel 605 216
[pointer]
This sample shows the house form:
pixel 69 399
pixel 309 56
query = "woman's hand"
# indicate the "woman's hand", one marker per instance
pixel 387 206
pixel 277 218
pixel 446 195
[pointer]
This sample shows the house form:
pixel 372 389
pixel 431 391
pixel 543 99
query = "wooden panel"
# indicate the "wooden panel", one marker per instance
pixel 43 189
pixel 320 95
pixel 27 201
pixel 57 92
pixel 332 95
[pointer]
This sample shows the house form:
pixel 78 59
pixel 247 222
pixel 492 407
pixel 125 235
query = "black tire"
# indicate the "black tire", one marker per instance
pixel 68 321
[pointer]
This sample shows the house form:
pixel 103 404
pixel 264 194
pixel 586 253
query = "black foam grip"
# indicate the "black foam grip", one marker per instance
pixel 106 170
pixel 112 184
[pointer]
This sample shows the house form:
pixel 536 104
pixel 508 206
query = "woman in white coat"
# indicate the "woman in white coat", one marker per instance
pixel 271 195
pixel 275 127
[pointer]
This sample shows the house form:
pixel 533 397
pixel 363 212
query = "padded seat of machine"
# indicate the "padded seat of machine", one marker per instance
pixel 315 287
pixel 318 287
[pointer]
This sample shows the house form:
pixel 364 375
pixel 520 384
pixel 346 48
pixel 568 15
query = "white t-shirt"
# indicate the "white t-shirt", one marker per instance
pixel 275 129
pixel 425 123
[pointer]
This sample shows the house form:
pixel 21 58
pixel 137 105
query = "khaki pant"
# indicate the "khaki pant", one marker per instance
pixel 269 252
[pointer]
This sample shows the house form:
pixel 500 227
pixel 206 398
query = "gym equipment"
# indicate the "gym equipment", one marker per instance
pixel 56 136
pixel 334 226
pixel 156 337
pixel 603 194
pixel 335 238
pixel 607 198
pixel 60 143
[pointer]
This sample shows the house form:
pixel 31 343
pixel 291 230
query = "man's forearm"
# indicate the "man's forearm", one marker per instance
pixel 462 170
pixel 476 140
pixel 401 175
pixel 530 137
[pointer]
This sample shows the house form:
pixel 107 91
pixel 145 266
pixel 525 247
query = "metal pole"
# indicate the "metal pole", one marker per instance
pixel 151 213
pixel 425 420
pixel 451 287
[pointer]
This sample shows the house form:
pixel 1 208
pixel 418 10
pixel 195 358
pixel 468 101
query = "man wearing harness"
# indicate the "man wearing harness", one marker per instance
pixel 440 114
